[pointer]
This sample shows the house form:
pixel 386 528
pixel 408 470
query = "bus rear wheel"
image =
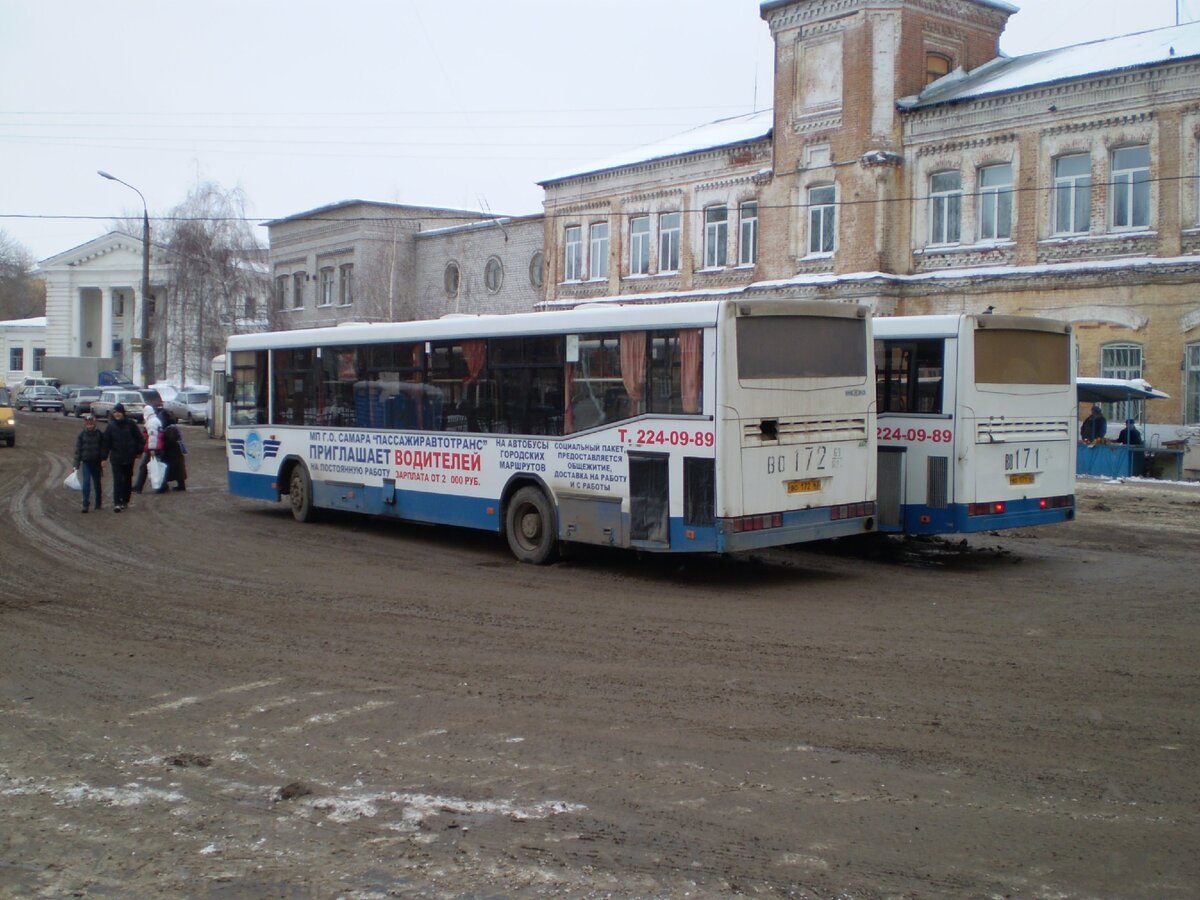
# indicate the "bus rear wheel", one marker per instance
pixel 300 495
pixel 530 527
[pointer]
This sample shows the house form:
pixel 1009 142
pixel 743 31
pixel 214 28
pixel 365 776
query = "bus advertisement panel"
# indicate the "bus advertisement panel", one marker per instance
pixel 976 422
pixel 713 426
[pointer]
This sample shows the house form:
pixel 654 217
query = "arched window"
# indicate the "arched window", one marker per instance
pixel 537 268
pixel 451 279
pixel 936 66
pixel 493 274
pixel 1121 360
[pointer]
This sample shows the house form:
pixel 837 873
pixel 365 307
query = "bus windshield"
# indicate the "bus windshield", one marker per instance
pixel 775 347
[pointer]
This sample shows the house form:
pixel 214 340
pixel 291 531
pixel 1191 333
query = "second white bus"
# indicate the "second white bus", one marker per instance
pixel 713 426
pixel 976 422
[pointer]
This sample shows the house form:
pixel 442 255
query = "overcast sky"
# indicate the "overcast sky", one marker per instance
pixel 454 103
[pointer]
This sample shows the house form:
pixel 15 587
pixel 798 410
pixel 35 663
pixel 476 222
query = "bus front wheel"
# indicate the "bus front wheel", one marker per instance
pixel 530 528
pixel 300 495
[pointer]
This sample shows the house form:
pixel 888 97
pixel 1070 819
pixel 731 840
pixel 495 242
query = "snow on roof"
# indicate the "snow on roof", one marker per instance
pixel 35 322
pixel 722 133
pixel 1128 51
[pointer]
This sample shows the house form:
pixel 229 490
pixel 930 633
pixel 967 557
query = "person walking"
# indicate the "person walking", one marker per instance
pixel 123 444
pixel 173 453
pixel 89 461
pixel 154 445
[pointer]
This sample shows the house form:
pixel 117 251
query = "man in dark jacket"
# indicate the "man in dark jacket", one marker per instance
pixel 89 460
pixel 123 444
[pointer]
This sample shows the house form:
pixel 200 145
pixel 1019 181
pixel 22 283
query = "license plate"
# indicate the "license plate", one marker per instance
pixel 1026 478
pixel 807 484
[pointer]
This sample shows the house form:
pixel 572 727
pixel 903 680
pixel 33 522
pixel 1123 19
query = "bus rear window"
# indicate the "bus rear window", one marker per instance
pixel 1013 356
pixel 801 347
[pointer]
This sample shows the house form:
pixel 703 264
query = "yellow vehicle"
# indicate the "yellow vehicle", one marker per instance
pixel 8 418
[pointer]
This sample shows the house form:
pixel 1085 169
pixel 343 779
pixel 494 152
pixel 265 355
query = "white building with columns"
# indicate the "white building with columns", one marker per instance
pixel 94 302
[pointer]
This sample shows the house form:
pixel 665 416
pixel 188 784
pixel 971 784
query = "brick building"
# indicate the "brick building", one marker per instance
pixel 909 166
pixel 368 261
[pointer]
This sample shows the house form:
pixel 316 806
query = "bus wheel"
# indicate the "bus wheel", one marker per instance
pixel 300 495
pixel 530 528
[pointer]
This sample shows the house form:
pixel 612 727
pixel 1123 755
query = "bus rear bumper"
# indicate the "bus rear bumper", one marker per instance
pixel 956 518
pixel 797 528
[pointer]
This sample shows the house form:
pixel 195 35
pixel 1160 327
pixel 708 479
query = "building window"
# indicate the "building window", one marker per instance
pixel 493 274
pixel 1121 361
pixel 325 298
pixel 39 357
pixel 346 284
pixel 937 65
pixel 298 289
pixel 1191 403
pixel 822 219
pixel 670 227
pixel 716 237
pixel 995 202
pixel 1072 194
pixel 1131 187
pixel 598 258
pixel 118 305
pixel 16 359
pixel 945 207
pixel 573 242
pixel 639 245
pixel 281 287
pixel 537 269
pixel 748 233
pixel 250 308
pixel 451 279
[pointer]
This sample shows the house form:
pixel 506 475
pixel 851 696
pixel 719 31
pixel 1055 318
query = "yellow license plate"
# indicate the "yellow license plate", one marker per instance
pixel 1026 478
pixel 807 484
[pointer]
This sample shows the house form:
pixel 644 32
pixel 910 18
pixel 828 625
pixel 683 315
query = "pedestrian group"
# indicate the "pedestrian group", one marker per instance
pixel 121 445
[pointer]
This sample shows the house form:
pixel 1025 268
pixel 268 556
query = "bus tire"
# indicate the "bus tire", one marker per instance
pixel 300 495
pixel 530 527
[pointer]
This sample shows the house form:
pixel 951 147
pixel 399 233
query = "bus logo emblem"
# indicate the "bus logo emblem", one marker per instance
pixel 254 449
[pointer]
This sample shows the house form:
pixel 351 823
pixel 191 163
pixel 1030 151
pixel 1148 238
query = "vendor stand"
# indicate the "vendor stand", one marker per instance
pixel 1116 460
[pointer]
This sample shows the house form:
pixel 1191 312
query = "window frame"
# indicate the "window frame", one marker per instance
pixel 995 201
pixel 1191 383
pixel 493 274
pixel 1077 186
pixel 670 242
pixel 945 203
pixel 346 284
pixel 298 279
pixel 932 74
pixel 639 245
pixel 1125 409
pixel 822 220
pixel 573 253
pixel 599 242
pixel 716 236
pixel 748 233
pixel 1124 188
pixel 325 286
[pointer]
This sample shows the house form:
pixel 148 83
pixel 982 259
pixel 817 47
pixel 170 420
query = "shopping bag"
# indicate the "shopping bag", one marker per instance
pixel 72 482
pixel 158 471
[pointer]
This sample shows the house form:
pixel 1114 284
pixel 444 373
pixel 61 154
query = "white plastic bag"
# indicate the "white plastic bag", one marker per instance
pixel 158 471
pixel 72 483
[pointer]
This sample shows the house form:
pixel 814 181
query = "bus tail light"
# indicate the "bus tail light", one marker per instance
pixel 985 509
pixel 1065 502
pixel 757 523
pixel 852 511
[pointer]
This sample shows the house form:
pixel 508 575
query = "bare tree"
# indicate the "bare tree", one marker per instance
pixel 218 282
pixel 22 295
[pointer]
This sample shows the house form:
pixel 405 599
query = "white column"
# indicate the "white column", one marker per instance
pixel 106 326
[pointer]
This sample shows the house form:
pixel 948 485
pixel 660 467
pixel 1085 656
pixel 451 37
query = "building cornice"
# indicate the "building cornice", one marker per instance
pixel 786 16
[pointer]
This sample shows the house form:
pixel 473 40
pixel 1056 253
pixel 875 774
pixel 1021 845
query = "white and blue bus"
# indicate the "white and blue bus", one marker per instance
pixel 976 422
pixel 713 426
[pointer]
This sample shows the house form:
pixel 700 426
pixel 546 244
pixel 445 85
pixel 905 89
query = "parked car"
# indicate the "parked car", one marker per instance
pixel 190 407
pixel 65 389
pixel 110 397
pixel 8 418
pixel 78 400
pixel 113 378
pixel 39 397
pixel 34 380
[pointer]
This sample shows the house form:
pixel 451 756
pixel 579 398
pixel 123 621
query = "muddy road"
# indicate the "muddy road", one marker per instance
pixel 200 697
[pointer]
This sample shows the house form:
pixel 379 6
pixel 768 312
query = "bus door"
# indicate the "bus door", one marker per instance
pixel 891 493
pixel 649 499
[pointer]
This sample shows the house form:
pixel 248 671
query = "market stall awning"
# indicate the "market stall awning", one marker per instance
pixel 1113 390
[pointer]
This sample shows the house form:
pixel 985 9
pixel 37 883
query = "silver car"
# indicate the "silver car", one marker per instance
pixel 131 400
pixel 38 397
pixel 189 407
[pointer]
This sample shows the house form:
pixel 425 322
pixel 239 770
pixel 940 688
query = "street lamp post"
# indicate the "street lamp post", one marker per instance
pixel 144 325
